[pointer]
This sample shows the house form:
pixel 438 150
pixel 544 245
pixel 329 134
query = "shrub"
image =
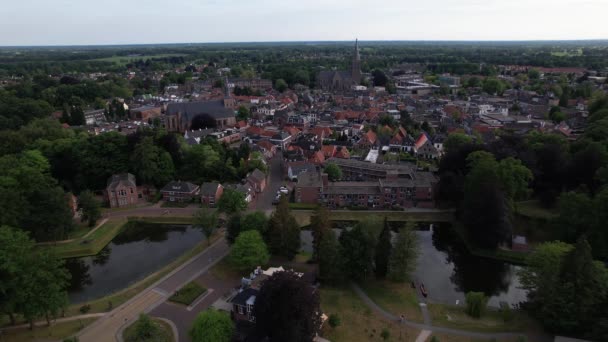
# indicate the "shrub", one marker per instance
pixel 85 308
pixel 334 320
pixel 476 303
pixel 385 334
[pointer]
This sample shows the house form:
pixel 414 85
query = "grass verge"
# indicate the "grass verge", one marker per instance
pixel 491 320
pixel 90 245
pixel 163 219
pixel 498 254
pixel 303 216
pixel 57 331
pixel 396 298
pixel 533 209
pixel 357 322
pixel 188 294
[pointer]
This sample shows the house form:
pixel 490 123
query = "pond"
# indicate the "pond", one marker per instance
pixel 138 251
pixel 448 270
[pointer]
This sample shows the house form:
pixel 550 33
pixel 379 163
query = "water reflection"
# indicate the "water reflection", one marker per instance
pixel 136 252
pixel 448 270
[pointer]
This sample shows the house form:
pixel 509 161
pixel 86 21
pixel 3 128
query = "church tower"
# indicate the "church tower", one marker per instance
pixel 356 66
pixel 228 100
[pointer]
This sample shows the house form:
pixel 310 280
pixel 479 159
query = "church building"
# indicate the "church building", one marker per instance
pixel 179 116
pixel 342 80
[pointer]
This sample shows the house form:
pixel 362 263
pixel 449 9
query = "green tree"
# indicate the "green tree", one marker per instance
pixel 334 320
pixel 320 225
pixel 91 208
pixel 455 141
pixel 280 85
pixel 476 303
pixel 152 165
pixel 212 326
pixel 145 330
pixel 283 231
pixel 242 113
pixel 231 202
pixel 249 251
pixel 330 259
pixel 255 221
pixel 403 256
pixel 233 227
pixel 357 249
pixel 383 251
pixel 206 221
pixel 334 173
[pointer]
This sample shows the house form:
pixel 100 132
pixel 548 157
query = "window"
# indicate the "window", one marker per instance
pixel 241 310
pixel 131 190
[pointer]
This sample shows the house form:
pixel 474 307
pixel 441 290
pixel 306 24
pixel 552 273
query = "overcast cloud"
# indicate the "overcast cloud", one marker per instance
pixel 78 22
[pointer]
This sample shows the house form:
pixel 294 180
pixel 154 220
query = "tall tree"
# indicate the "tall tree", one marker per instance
pixel 212 326
pixel 334 173
pixel 152 165
pixel 231 202
pixel 249 251
pixel 330 259
pixel 233 227
pixel 283 231
pixel 403 256
pixel 383 251
pixel 287 309
pixel 320 225
pixel 255 221
pixel 357 248
pixel 206 221
pixel 91 208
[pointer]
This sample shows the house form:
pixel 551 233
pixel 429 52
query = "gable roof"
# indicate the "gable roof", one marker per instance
pixel 257 175
pixel 124 179
pixel 242 297
pixel 177 186
pixel 208 189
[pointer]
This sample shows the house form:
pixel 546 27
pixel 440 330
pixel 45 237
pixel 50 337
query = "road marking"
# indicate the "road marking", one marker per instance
pixel 161 292
pixel 422 304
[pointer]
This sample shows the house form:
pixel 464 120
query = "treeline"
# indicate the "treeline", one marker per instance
pixel 485 181
pixel 41 161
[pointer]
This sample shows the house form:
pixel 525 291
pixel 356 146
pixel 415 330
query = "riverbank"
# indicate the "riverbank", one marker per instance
pixel 510 256
pixel 302 216
pixel 93 243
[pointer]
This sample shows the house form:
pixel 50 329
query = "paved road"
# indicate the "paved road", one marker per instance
pixel 275 180
pixel 106 327
pixel 429 327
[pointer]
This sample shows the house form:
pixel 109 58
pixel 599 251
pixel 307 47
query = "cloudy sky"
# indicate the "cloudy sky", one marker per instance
pixel 77 22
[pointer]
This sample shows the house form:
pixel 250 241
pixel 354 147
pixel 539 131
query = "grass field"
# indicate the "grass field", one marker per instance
pixel 533 209
pixel 164 219
pixel 440 337
pixel 187 294
pixel 398 299
pixel 357 322
pixel 165 333
pixel 55 332
pixel 491 320
pixel 92 244
pixel 303 216
pixel 128 59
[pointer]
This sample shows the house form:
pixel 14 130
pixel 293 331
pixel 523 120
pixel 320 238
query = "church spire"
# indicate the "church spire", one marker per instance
pixel 356 66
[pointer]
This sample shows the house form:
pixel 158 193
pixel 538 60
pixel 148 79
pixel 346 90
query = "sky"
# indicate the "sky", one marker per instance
pixel 92 22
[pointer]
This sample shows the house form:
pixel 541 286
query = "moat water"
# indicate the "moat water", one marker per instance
pixel 135 253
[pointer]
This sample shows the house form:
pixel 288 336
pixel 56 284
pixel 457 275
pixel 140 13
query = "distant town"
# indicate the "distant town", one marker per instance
pixel 347 191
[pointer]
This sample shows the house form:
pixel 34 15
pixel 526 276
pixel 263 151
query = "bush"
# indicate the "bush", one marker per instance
pixel 334 320
pixel 385 334
pixel 476 303
pixel 85 308
pixel 434 339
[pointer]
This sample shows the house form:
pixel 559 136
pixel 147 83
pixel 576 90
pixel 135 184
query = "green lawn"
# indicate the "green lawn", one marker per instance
pixel 491 320
pixel 358 323
pixel 533 209
pixel 57 331
pixel 188 294
pixel 398 299
pixel 164 219
pixel 175 204
pixel 92 244
pixel 165 332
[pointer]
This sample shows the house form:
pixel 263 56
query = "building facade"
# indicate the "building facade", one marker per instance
pixel 342 80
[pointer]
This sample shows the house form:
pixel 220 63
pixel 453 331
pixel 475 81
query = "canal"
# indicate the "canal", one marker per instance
pixel 138 251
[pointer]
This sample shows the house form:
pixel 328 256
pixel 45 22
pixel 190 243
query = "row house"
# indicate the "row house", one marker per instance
pixel 211 193
pixel 178 191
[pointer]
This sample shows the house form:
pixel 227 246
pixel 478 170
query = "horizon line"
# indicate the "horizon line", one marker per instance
pixel 322 41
